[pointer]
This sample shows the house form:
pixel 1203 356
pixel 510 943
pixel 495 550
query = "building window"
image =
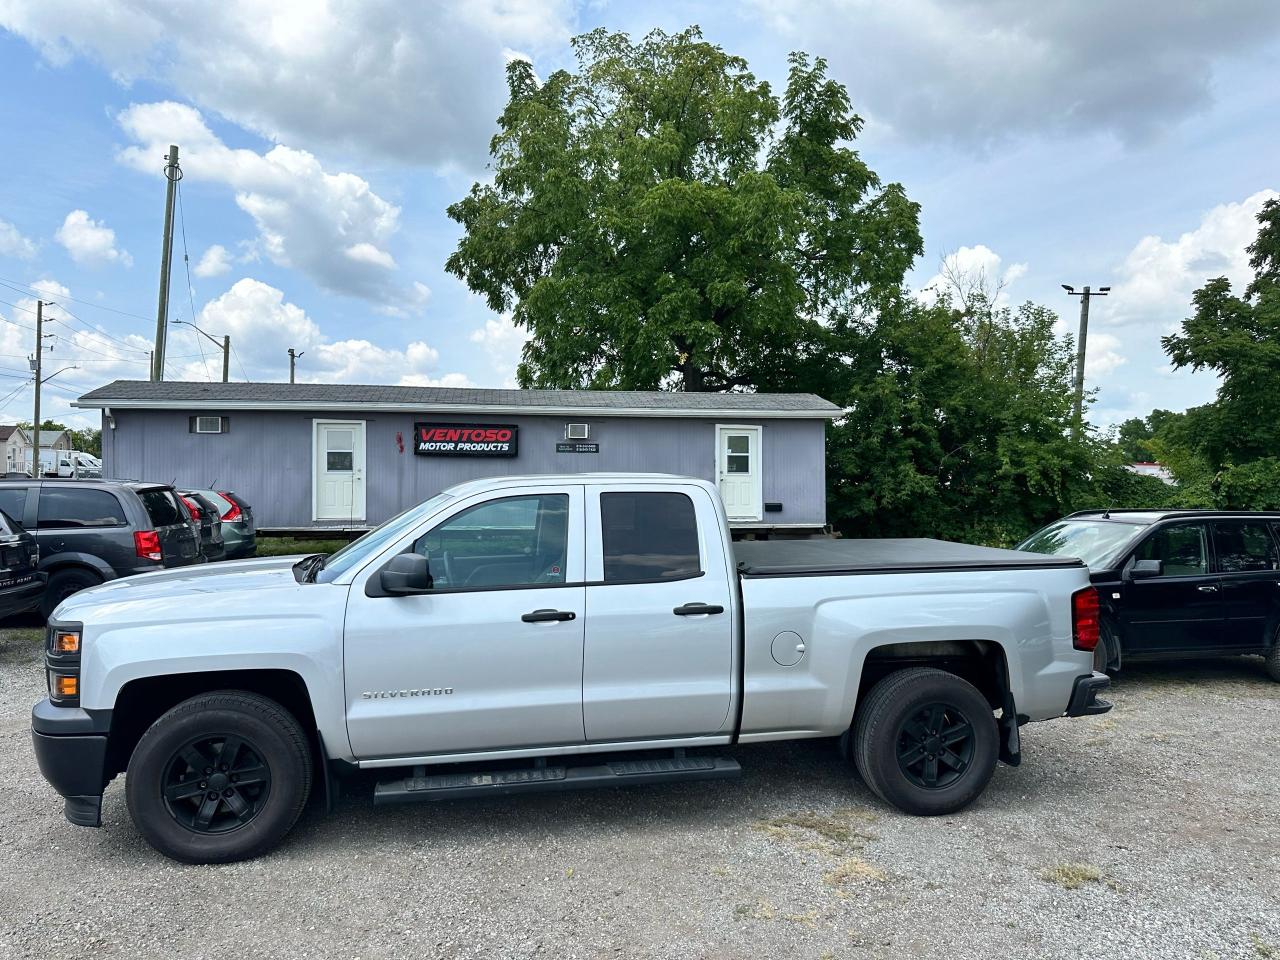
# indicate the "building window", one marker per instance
pixel 209 425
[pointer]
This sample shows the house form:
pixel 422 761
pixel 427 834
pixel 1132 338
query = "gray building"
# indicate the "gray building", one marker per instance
pixel 316 456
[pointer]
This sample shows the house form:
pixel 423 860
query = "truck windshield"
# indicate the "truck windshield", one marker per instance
pixel 359 550
pixel 1096 542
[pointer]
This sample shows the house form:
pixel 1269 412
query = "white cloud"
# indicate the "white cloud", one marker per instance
pixel 332 226
pixel 1158 276
pixel 14 244
pixel 214 263
pixel 972 268
pixel 263 325
pixel 1103 355
pixel 977 72
pixel 377 78
pixel 90 241
pixel 503 341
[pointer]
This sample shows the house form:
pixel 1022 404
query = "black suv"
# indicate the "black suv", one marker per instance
pixel 1177 583
pixel 89 531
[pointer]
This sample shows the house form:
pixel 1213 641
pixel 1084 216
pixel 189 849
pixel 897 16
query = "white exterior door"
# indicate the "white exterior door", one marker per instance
pixel 738 468
pixel 339 470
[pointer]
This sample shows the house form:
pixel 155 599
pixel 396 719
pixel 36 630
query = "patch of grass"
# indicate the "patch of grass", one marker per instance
pixel 843 829
pixel 1072 876
pixel 20 643
pixel 1262 948
pixel 760 910
pixel 853 870
pixel 287 546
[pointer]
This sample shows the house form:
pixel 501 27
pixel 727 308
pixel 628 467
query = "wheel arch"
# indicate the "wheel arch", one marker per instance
pixel 141 702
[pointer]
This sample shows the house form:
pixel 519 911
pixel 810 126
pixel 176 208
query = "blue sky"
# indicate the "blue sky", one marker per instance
pixel 1048 143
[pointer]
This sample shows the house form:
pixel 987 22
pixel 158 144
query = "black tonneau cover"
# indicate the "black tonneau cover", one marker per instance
pixel 818 557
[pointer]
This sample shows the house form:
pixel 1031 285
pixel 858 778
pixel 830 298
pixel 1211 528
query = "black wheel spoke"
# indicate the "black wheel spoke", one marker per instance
pixel 249 775
pixel 931 771
pixel 935 745
pixel 196 759
pixel 237 805
pixel 911 756
pixel 227 755
pixel 183 790
pixel 952 759
pixel 204 816
pixel 936 712
pixel 956 733
pixel 915 729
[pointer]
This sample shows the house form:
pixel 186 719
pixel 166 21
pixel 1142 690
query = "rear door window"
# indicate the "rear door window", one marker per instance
pixel 1182 548
pixel 162 507
pixel 1243 547
pixel 13 501
pixel 649 536
pixel 78 507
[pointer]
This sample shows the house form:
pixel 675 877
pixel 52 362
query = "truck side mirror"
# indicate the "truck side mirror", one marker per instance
pixel 407 574
pixel 1146 569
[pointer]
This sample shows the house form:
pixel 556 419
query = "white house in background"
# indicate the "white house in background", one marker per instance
pixel 56 440
pixel 16 444
pixel 1150 469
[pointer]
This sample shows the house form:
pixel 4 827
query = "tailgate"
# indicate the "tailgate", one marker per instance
pixel 17 562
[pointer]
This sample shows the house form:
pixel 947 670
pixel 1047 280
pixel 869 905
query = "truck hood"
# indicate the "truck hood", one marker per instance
pixel 184 593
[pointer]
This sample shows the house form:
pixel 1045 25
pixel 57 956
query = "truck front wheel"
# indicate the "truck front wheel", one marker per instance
pixel 925 741
pixel 222 776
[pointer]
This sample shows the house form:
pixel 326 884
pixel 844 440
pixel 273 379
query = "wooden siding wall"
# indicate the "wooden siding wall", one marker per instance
pixel 267 456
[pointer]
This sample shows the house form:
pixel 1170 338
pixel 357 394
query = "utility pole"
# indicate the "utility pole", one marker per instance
pixel 36 365
pixel 1077 424
pixel 172 174
pixel 293 361
pixel 224 346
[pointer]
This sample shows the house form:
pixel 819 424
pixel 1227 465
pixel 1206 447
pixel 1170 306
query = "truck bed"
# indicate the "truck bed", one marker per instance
pixel 828 557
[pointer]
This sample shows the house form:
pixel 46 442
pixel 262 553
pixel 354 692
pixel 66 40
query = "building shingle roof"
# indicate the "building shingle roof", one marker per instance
pixel 175 394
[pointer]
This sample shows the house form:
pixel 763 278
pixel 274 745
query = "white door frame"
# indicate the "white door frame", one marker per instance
pixel 757 455
pixel 359 463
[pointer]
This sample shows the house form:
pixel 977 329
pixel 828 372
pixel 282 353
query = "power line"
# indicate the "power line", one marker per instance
pixel 186 263
pixel 88 303
pixel 236 354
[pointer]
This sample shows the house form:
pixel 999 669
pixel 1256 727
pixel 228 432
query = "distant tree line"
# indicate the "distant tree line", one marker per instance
pixel 661 219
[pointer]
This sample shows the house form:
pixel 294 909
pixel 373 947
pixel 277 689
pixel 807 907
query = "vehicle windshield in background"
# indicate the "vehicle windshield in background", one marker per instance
pixel 355 552
pixel 1094 541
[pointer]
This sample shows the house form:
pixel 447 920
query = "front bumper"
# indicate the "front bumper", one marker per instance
pixel 1084 696
pixel 71 751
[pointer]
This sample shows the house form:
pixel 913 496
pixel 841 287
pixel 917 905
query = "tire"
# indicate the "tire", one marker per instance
pixel 63 584
pixel 1104 654
pixel 192 807
pixel 920 702
pixel 1273 658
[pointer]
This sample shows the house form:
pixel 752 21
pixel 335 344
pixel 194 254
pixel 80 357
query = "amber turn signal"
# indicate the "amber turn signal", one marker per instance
pixel 66 643
pixel 65 686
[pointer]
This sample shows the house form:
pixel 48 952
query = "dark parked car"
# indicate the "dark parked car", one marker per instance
pixel 207 517
pixel 89 531
pixel 21 583
pixel 1177 583
pixel 239 534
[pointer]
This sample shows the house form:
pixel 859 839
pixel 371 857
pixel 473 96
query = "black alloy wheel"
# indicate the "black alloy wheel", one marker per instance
pixel 935 746
pixel 216 784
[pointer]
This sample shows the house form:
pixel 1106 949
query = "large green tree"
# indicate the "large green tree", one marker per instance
pixel 660 218
pixel 1228 451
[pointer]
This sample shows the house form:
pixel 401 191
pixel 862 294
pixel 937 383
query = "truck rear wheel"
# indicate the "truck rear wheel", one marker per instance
pixel 925 741
pixel 222 776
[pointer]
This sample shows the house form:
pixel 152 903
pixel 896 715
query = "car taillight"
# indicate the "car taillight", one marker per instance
pixel 1085 623
pixel 146 543
pixel 195 511
pixel 234 512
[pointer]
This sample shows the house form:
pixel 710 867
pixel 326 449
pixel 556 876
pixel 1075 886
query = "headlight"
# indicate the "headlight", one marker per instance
pixel 62 663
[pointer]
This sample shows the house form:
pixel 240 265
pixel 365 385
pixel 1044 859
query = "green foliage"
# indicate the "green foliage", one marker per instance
pixel 660 218
pixel 88 440
pixel 1134 436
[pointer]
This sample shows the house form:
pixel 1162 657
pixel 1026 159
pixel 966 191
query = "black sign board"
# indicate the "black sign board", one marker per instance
pixel 465 439
pixel 577 446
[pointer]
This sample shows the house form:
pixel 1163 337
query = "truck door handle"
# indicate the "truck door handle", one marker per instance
pixel 694 609
pixel 547 616
pixel 1207 588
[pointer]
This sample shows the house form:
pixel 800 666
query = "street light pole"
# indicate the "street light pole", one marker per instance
pixel 1077 423
pixel 293 362
pixel 224 345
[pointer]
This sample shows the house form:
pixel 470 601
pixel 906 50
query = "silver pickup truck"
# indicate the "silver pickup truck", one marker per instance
pixel 547 633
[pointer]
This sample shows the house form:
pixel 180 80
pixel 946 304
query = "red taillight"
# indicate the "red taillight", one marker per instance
pixel 234 512
pixel 147 545
pixel 1085 623
pixel 195 510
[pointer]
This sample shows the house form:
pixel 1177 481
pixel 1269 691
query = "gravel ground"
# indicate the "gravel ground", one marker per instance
pixel 1144 833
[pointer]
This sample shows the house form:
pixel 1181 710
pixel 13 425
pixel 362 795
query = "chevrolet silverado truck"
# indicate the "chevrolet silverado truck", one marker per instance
pixel 546 633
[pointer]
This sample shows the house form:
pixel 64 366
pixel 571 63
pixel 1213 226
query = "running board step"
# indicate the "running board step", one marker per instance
pixel 613 773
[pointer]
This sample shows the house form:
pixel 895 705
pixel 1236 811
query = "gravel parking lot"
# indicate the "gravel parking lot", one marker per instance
pixel 1150 832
